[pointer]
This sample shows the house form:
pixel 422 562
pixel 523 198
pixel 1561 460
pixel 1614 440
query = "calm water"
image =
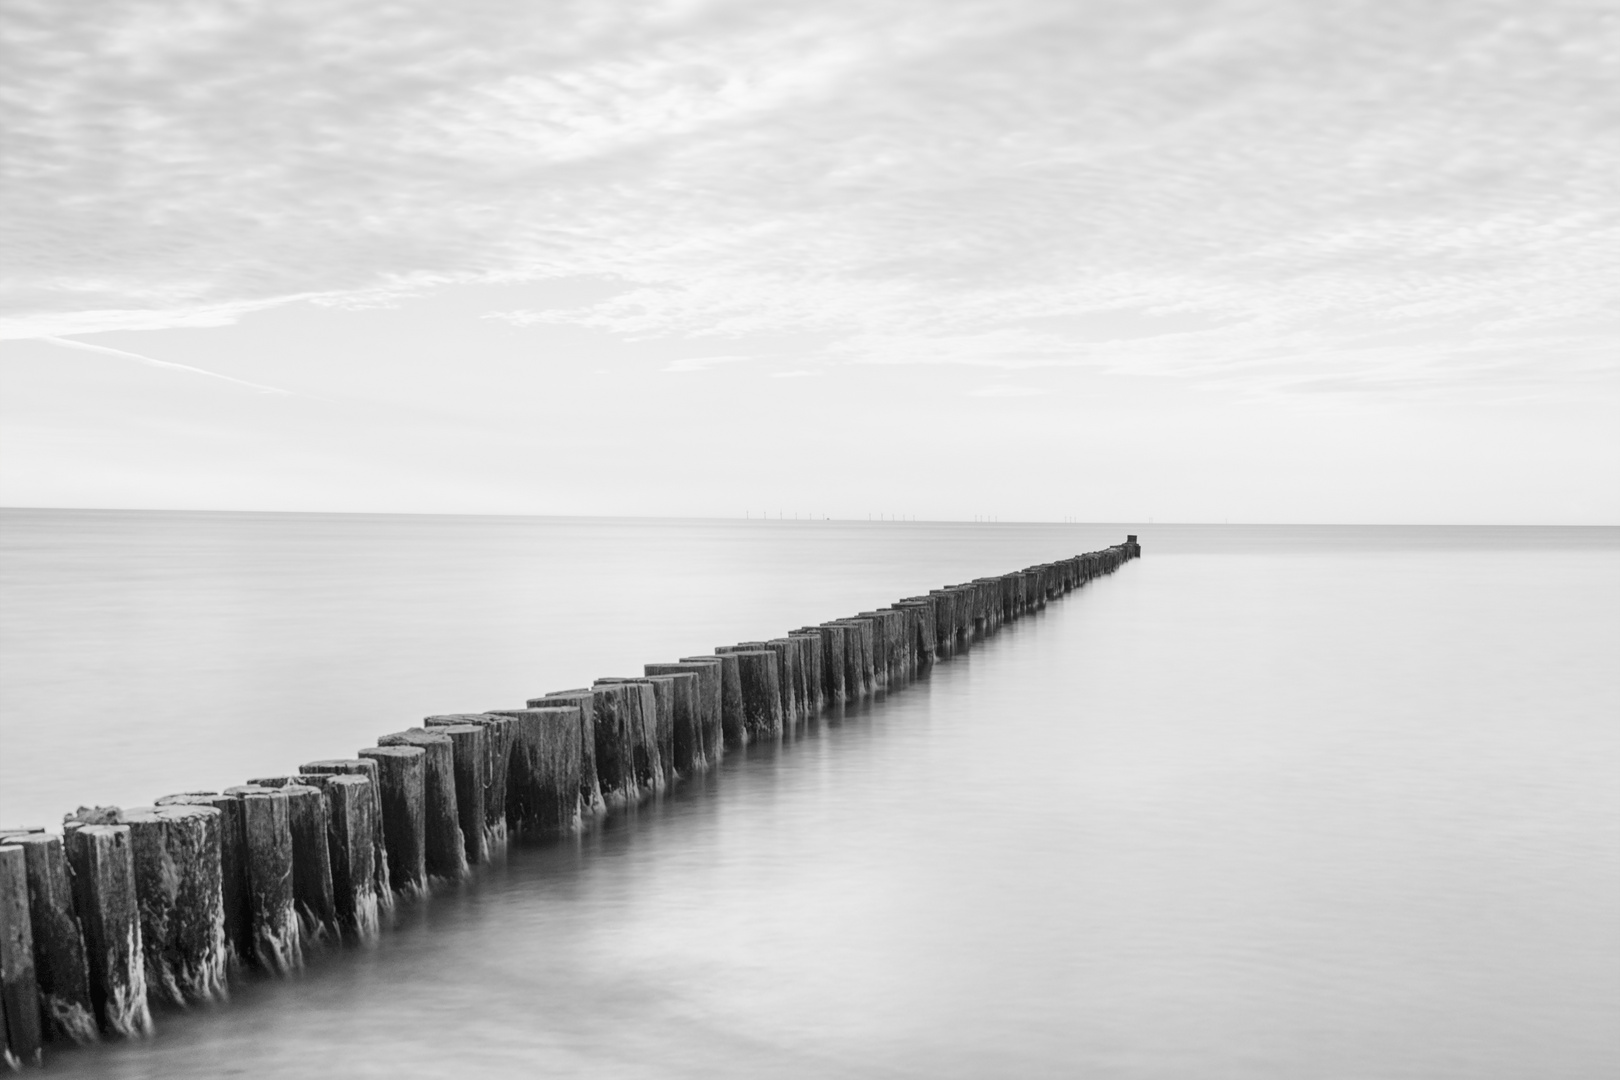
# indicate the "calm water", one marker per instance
pixel 1269 802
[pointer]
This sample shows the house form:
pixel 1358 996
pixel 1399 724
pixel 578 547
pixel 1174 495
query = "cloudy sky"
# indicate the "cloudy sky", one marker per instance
pixel 1204 260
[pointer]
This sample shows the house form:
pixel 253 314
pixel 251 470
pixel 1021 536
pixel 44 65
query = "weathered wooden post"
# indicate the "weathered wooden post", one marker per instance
pixel 854 672
pixel 278 944
pixel 880 650
pixel 653 713
pixel 710 671
pixel 759 670
pixel 521 799
pixel 19 986
pixel 944 622
pixel 547 790
pixel 351 848
pixel 812 662
pixel 691 686
pixel 832 662
pixel 795 698
pixel 732 728
pixel 103 874
pixel 887 654
pixel 500 740
pixel 469 752
pixel 446 847
pixel 644 735
pixel 898 649
pixel 927 627
pixel 863 647
pixel 615 754
pixel 624 758
pixel 401 784
pixel 676 705
pixel 368 768
pixel 59 960
pixel 592 800
pixel 784 679
pixel 179 894
pixel 232 869
pixel 313 890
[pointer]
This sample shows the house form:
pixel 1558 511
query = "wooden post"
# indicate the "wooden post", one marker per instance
pixel 880 650
pixel 760 674
pixel 401 789
pixel 691 685
pixel 367 767
pixel 176 854
pixel 642 735
pixel 592 801
pixel 446 847
pixel 19 987
pixel 653 704
pixel 854 676
pixel 725 716
pixel 861 645
pixel 59 960
pixel 833 648
pixel 351 846
pixel 795 695
pixel 272 905
pixel 232 869
pixel 611 756
pixel 500 739
pixel 103 873
pixel 923 628
pixel 313 891
pixel 885 649
pixel 813 663
pixel 546 792
pixel 469 750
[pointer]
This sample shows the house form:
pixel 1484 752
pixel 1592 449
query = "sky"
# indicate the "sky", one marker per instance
pixel 1180 260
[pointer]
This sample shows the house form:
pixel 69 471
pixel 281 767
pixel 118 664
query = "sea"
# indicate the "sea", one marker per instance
pixel 1270 803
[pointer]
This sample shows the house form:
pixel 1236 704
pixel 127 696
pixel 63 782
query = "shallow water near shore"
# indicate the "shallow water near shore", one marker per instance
pixel 1269 802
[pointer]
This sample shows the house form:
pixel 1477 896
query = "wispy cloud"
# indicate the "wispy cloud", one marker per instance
pixel 169 365
pixel 1282 194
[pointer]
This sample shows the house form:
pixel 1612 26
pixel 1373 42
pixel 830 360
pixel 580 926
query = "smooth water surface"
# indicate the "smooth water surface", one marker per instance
pixel 1268 802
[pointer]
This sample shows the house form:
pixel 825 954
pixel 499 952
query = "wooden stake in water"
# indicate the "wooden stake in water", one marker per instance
pixel 401 786
pixel 19 989
pixel 278 944
pixel 312 858
pixel 592 801
pixel 232 869
pixel 176 855
pixel 446 847
pixel 363 766
pixel 59 960
pixel 350 831
pixel 103 872
pixel 547 790
pixel 759 671
pixel 500 743
pixel 469 755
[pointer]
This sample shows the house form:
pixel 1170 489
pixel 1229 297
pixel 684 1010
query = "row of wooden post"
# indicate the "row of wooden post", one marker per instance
pixel 131 907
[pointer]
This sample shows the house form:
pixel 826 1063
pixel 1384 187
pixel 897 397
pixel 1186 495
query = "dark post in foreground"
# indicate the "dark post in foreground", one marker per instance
pixel 59 960
pixel 104 896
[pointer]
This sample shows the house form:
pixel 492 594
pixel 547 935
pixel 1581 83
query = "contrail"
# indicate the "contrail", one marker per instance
pixel 256 387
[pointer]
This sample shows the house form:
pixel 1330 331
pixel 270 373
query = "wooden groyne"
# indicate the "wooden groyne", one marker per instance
pixel 134 910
